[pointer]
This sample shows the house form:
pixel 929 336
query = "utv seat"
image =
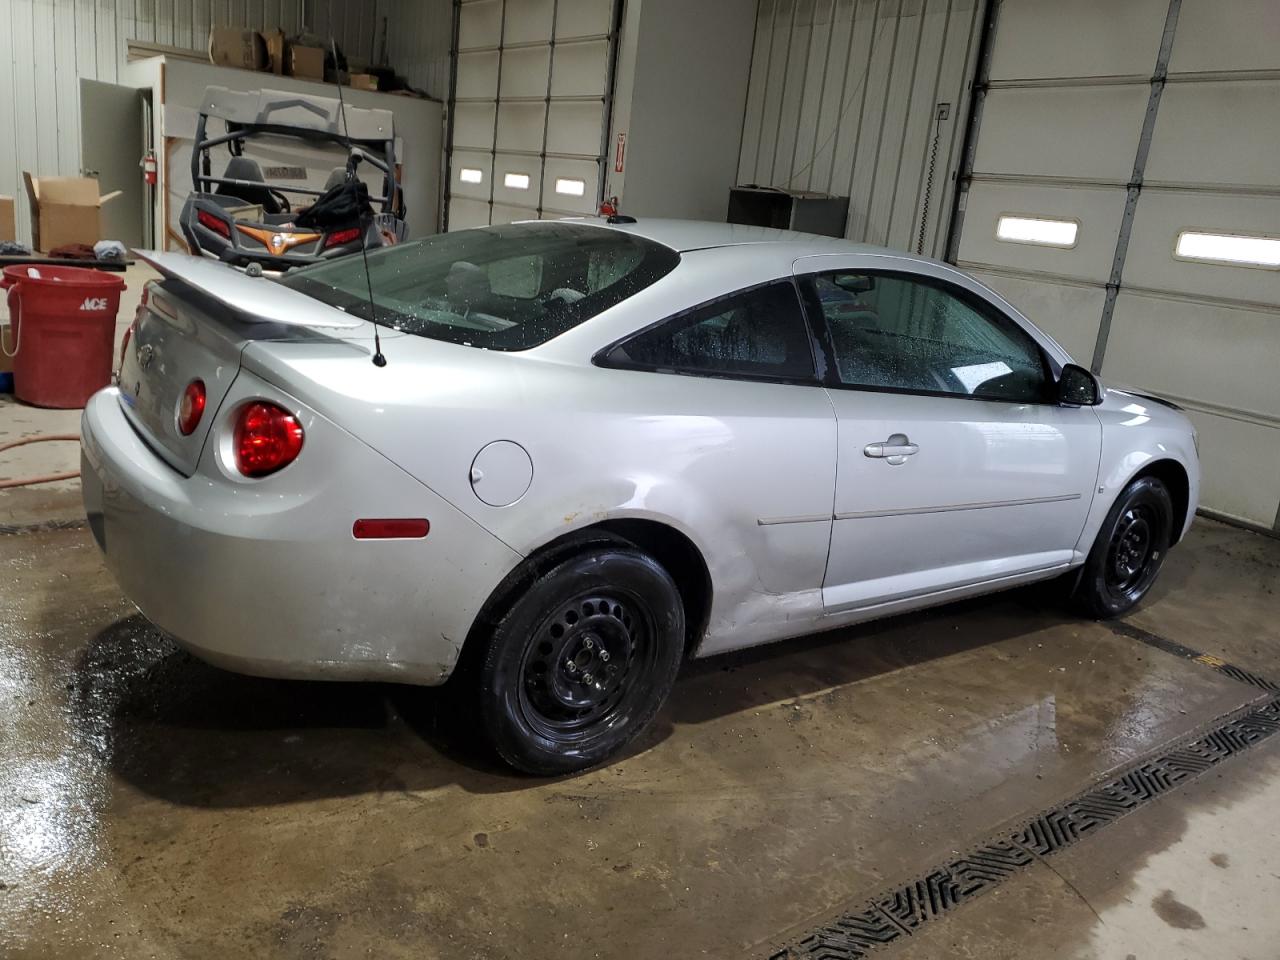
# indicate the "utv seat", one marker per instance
pixel 244 168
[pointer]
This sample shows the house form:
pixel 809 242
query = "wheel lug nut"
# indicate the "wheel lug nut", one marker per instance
pixel 586 678
pixel 570 666
pixel 604 654
pixel 588 643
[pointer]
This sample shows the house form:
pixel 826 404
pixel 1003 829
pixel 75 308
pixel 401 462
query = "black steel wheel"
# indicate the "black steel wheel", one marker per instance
pixel 1129 550
pixel 582 660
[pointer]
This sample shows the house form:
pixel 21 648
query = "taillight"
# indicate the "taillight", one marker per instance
pixel 339 237
pixel 267 438
pixel 191 409
pixel 216 224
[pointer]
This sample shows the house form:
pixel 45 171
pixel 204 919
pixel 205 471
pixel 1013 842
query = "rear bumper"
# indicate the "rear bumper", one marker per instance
pixel 265 577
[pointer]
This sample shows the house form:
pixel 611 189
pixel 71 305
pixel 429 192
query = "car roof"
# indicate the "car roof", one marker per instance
pixel 686 236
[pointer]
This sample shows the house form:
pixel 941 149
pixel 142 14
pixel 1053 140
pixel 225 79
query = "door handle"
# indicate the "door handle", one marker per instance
pixel 896 449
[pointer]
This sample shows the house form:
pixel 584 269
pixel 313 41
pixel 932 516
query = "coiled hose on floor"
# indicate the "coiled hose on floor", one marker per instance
pixel 47 478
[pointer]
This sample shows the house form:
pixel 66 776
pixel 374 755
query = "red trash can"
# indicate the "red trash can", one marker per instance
pixel 62 326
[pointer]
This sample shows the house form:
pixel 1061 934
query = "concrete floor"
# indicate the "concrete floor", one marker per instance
pixel 154 806
pixel 1192 875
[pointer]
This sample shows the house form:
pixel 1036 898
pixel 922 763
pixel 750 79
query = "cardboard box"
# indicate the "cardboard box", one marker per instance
pixel 6 219
pixel 64 210
pixel 364 81
pixel 234 47
pixel 306 63
pixel 274 40
pixel 251 212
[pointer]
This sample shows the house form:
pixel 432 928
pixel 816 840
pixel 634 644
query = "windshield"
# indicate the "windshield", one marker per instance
pixel 503 288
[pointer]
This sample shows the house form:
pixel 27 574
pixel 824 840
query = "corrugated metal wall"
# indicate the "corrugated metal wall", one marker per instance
pixel 845 99
pixel 419 35
pixel 46 46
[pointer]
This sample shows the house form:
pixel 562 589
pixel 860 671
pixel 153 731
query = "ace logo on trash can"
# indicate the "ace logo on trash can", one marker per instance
pixel 93 303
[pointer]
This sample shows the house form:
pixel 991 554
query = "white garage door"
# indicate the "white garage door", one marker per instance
pixel 1124 194
pixel 530 106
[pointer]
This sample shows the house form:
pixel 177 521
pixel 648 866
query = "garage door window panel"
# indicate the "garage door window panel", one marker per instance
pixel 1228 249
pixel 891 333
pixel 754 334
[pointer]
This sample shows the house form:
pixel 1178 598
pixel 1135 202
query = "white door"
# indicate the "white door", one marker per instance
pixel 112 142
pixel 530 107
pixel 955 465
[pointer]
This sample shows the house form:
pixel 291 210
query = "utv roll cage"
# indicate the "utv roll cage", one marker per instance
pixel 368 134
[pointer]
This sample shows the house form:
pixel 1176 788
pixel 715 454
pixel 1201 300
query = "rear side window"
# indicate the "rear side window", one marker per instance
pixel 502 288
pixel 758 333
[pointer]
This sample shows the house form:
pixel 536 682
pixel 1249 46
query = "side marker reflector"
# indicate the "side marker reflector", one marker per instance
pixel 399 529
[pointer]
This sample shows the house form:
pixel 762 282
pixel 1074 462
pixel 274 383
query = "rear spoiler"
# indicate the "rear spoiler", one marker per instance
pixel 256 299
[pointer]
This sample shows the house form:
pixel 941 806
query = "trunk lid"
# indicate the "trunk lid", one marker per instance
pixel 194 325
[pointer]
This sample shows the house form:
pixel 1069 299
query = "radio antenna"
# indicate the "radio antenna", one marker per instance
pixel 378 359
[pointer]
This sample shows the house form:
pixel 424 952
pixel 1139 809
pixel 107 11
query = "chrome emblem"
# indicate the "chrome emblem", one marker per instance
pixel 146 353
pixel 278 241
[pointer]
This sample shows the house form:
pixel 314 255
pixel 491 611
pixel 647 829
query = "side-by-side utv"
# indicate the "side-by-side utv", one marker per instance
pixel 239 217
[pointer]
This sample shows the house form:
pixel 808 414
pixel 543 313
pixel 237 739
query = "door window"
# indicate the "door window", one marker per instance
pixel 898 333
pixel 756 333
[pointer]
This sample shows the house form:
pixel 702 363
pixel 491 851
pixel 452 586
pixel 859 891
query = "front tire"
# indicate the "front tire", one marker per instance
pixel 582 660
pixel 1128 552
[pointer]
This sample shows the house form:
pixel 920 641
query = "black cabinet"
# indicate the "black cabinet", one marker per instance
pixel 789 210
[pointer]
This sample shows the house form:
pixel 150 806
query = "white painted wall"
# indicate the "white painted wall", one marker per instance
pixel 46 46
pixel 681 91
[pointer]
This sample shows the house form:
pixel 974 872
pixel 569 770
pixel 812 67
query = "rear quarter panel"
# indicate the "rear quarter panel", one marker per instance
pixel 711 458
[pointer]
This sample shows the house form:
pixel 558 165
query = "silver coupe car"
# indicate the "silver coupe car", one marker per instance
pixel 550 460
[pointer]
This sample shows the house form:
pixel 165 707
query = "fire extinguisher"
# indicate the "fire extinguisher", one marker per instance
pixel 149 168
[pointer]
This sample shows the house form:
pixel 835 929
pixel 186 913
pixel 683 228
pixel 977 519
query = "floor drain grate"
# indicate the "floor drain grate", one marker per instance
pixel 1244 676
pixel 901 911
pixel 1133 632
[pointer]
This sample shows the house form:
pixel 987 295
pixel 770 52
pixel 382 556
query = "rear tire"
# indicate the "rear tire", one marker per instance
pixel 1129 551
pixel 582 660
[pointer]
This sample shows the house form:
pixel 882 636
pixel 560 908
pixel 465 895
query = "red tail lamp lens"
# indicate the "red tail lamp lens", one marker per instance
pixel 407 528
pixel 216 224
pixel 192 407
pixel 267 438
pixel 339 237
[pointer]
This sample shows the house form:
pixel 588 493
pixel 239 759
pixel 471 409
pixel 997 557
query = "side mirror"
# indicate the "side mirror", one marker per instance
pixel 1077 387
